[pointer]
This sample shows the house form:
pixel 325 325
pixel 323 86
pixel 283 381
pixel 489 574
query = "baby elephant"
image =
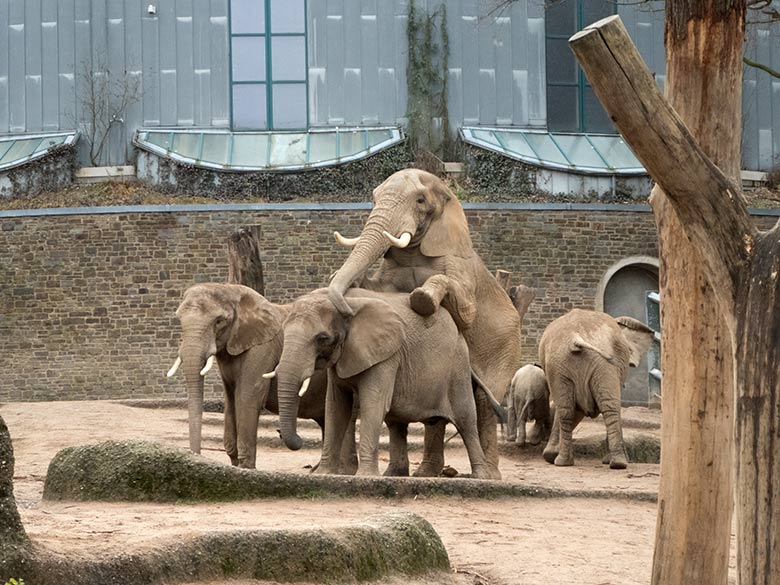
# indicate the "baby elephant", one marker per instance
pixel 529 399
pixel 586 356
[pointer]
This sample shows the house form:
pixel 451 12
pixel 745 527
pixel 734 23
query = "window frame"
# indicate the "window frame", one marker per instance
pixel 268 84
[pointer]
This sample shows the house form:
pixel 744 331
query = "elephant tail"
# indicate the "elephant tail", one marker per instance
pixel 579 344
pixel 499 410
pixel 524 412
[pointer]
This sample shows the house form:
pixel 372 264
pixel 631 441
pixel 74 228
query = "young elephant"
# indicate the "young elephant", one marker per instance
pixel 529 399
pixel 585 356
pixel 401 366
pixel 241 331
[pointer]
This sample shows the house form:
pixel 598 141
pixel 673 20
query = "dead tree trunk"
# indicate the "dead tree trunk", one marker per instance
pixel 741 264
pixel 244 264
pixel 692 539
pixel 521 296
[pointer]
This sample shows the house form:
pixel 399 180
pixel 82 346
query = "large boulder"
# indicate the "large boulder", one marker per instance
pixel 14 544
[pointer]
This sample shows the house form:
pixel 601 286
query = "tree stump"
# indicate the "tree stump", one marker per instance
pixel 244 264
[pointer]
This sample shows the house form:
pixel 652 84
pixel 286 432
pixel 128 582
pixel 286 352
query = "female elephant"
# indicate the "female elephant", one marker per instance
pixel 242 331
pixel 586 356
pixel 529 399
pixel 419 230
pixel 402 367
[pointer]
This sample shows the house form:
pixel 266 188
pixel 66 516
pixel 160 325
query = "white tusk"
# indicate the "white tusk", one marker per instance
pixel 348 242
pixel 174 367
pixel 401 242
pixel 207 367
pixel 304 387
pixel 269 375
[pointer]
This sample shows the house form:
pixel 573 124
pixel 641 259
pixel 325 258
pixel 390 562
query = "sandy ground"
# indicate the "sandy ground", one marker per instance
pixel 499 541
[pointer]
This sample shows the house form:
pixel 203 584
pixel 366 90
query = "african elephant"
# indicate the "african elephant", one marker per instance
pixel 242 331
pixel 419 230
pixel 402 368
pixel 585 356
pixel 529 399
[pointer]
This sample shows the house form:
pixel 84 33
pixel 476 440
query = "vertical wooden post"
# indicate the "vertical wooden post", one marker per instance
pixel 503 277
pixel 244 263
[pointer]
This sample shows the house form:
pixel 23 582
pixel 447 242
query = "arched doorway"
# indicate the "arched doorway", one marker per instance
pixel 623 291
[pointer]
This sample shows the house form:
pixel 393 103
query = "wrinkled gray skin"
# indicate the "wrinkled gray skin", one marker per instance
pixel 244 331
pixel 586 356
pixel 529 400
pixel 402 367
pixel 438 267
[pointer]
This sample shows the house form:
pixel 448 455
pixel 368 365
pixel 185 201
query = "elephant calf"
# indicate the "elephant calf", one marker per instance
pixel 585 356
pixel 529 399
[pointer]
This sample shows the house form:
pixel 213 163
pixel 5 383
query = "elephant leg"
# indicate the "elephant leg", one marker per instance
pixel 465 420
pixel 399 456
pixel 488 433
pixel 521 427
pixel 375 394
pixel 338 410
pixel 511 425
pixel 433 452
pixel 229 432
pixel 249 400
pixel 551 449
pixel 349 459
pixel 425 299
pixel 610 410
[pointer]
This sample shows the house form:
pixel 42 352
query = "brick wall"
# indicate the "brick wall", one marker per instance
pixel 88 299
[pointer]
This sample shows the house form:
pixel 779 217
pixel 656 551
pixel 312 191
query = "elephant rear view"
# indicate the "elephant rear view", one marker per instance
pixel 585 356
pixel 529 399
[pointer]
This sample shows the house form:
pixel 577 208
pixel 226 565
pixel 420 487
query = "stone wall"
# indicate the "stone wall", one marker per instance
pixel 87 297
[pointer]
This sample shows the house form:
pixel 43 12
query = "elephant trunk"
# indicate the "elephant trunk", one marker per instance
pixel 371 245
pixel 193 356
pixel 290 376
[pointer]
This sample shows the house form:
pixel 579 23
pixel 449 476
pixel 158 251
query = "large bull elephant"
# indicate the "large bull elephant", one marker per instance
pixel 586 356
pixel 419 229
pixel 239 330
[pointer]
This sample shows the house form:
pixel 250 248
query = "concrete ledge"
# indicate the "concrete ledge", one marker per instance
pixel 392 544
pixel 142 471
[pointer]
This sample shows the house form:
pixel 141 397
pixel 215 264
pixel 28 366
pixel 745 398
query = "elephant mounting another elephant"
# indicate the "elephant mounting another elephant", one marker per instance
pixel 419 230
pixel 239 330
pixel 585 356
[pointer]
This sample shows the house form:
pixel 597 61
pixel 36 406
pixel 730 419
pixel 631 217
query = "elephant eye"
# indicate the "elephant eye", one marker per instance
pixel 322 338
pixel 420 199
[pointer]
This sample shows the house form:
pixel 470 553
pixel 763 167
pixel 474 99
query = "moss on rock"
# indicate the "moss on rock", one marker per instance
pixel 150 472
pixel 14 544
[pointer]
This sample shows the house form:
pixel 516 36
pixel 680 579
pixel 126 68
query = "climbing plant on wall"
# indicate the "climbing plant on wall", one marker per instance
pixel 426 79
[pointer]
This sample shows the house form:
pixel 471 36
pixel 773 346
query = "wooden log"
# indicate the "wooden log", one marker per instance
pixel 522 296
pixel 716 217
pixel 503 277
pixel 244 263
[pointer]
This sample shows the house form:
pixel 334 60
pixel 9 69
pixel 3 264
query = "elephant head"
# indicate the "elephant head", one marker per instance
pixel 218 320
pixel 638 337
pixel 318 336
pixel 413 209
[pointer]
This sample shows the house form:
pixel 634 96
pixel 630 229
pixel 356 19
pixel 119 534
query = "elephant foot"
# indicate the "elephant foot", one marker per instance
pixel 394 471
pixel 606 459
pixel 562 461
pixel 234 461
pixel 428 469
pixel 618 463
pixel 422 302
pixel 244 464
pixel 367 472
pixel 550 455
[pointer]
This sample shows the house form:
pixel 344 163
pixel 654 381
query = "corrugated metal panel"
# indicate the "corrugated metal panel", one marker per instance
pixel 178 58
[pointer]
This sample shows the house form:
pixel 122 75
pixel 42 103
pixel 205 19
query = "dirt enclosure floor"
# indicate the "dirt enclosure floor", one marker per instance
pixel 582 540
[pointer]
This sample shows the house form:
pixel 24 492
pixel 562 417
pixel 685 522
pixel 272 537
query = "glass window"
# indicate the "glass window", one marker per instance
pixel 250 150
pixel 579 151
pixel 562 108
pixel 289 105
pixel 288 150
pixel 248 59
pixel 187 144
pixel 268 51
pixel 216 148
pixel 288 16
pixel 21 149
pixel 247 17
pixel 289 59
pixel 322 147
pixel 350 143
pixel 249 106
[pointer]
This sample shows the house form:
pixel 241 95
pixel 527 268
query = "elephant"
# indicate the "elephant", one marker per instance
pixel 585 356
pixel 419 230
pixel 529 399
pixel 242 331
pixel 402 368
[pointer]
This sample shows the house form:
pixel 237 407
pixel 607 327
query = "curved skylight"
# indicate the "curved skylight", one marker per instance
pixel 18 149
pixel 267 151
pixel 592 154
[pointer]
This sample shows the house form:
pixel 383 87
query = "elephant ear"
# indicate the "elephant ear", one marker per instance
pixel 257 321
pixel 639 337
pixel 448 233
pixel 375 334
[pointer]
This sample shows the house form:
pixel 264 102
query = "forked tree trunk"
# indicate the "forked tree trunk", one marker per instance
pixel 741 263
pixel 693 533
pixel 244 264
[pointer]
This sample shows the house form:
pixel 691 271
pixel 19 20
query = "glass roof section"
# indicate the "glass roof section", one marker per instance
pixel 267 151
pixel 591 154
pixel 18 149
